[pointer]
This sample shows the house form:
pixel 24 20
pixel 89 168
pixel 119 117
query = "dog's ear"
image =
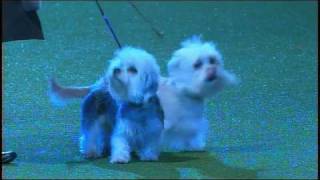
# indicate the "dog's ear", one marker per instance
pixel 230 79
pixel 151 82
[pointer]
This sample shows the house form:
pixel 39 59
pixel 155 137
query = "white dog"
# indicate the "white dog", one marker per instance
pixel 123 114
pixel 196 73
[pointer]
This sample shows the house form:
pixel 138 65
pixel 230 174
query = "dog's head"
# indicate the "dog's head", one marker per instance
pixel 198 67
pixel 133 75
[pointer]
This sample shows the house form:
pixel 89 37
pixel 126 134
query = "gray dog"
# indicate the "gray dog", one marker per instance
pixel 125 115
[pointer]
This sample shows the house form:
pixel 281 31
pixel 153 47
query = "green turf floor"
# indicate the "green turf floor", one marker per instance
pixel 264 128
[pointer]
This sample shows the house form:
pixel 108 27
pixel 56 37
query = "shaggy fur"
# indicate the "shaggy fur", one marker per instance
pixel 133 82
pixel 124 114
pixel 196 73
pixel 98 118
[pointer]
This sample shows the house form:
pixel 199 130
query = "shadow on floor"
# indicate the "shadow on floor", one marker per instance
pixel 169 164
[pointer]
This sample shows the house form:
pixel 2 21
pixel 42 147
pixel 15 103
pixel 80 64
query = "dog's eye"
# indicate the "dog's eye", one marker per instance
pixel 197 65
pixel 132 70
pixel 116 71
pixel 212 60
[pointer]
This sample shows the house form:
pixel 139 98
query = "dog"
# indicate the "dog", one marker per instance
pixel 196 73
pixel 133 82
pixel 123 113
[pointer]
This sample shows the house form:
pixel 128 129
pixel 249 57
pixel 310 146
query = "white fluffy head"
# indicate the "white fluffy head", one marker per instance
pixel 198 67
pixel 133 75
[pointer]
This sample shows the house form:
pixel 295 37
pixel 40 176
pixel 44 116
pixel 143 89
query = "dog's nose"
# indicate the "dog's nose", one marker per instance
pixel 116 71
pixel 211 73
pixel 138 99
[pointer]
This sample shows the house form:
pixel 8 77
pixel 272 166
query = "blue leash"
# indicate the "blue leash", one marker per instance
pixel 109 25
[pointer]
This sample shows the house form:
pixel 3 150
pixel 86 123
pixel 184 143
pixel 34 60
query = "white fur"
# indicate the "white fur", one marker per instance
pixel 128 87
pixel 184 92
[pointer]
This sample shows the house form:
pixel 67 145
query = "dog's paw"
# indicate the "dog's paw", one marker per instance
pixel 123 158
pixel 148 155
pixel 119 160
pixel 149 158
pixel 188 149
pixel 195 145
pixel 91 155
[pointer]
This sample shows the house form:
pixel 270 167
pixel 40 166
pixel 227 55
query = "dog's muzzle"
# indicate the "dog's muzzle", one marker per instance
pixel 211 74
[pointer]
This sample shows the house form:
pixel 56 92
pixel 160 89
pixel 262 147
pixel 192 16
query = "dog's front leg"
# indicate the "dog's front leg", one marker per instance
pixel 120 149
pixel 150 148
pixel 197 141
pixel 91 144
pixel 149 153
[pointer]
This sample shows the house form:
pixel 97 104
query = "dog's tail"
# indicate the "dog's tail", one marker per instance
pixel 59 95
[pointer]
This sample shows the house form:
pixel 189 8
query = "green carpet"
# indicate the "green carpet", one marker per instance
pixel 264 128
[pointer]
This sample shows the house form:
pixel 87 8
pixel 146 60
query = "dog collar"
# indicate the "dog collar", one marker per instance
pixel 133 104
pixel 151 99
